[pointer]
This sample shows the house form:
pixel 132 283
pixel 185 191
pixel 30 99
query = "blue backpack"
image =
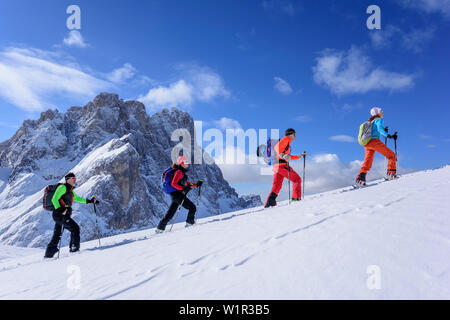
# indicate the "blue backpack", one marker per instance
pixel 166 179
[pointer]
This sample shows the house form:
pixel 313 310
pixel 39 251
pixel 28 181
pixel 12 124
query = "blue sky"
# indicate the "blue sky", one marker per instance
pixel 310 65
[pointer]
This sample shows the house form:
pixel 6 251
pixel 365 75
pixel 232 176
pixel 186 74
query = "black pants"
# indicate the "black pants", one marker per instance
pixel 66 222
pixel 177 198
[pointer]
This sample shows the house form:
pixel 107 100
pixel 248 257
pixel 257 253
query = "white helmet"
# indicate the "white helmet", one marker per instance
pixel 375 111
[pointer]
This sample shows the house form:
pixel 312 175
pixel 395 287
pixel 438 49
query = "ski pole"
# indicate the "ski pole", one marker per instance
pixel 289 182
pixel 395 145
pixel 96 224
pixel 304 169
pixel 60 239
pixel 385 159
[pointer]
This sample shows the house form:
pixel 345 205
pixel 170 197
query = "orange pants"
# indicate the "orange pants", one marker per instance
pixel 378 146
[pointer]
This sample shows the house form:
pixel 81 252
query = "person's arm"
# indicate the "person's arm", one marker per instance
pixel 380 123
pixel 60 191
pixel 176 178
pixel 78 199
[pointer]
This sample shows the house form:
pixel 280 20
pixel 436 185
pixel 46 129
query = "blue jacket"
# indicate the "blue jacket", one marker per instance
pixel 378 128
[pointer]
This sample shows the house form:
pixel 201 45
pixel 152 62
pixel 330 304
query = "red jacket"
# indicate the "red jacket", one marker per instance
pixel 178 183
pixel 284 146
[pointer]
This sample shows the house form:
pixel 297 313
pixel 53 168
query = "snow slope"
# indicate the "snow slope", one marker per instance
pixel 330 246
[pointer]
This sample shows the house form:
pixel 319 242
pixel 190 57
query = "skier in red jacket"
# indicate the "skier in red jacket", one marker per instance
pixel 282 169
pixel 179 196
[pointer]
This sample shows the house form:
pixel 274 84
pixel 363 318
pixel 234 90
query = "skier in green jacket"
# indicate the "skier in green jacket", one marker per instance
pixel 62 201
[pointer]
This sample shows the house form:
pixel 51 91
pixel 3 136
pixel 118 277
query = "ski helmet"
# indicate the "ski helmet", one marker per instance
pixel 181 160
pixel 375 111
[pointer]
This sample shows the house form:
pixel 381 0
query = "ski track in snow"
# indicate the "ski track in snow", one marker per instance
pixel 319 248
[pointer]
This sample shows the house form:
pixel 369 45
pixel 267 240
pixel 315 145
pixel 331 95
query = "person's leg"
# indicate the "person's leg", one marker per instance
pixel 368 158
pixel 297 184
pixel 74 230
pixel 389 154
pixel 279 174
pixel 169 215
pixel 188 204
pixel 276 186
pixel 52 247
pixel 176 201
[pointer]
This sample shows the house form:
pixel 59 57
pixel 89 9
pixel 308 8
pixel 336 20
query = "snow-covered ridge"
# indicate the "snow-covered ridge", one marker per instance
pixel 118 153
pixel 387 241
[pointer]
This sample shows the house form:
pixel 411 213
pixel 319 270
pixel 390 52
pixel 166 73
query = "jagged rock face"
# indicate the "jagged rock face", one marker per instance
pixel 118 153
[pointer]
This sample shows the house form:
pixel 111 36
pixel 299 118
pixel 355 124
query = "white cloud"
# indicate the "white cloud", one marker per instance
pixel 383 38
pixel 424 136
pixel 430 6
pixel 352 72
pixel 282 86
pixel 197 84
pixel 227 123
pixel 75 39
pixel 126 72
pixel 303 118
pixel 414 40
pixel 29 77
pixel 176 94
pixel 342 138
pixel 282 6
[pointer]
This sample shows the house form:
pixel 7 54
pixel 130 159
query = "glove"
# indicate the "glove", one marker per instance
pixel 395 136
pixel 92 200
pixel 302 155
pixel 199 183
pixel 386 129
pixel 61 210
pixel 286 157
pixel 187 189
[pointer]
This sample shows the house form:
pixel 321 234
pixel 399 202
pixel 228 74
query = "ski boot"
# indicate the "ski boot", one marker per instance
pixel 391 175
pixel 50 252
pixel 158 231
pixel 361 180
pixel 189 224
pixel 271 200
pixel 296 199
pixel 74 249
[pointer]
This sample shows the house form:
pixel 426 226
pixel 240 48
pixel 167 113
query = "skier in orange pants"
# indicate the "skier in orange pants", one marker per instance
pixel 376 145
pixel 282 169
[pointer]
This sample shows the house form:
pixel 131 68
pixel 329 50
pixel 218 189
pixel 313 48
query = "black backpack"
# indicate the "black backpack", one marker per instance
pixel 49 191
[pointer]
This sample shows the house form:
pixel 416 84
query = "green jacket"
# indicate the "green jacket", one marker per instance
pixel 65 198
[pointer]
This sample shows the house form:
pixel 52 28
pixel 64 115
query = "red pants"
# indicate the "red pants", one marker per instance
pixel 378 146
pixel 281 172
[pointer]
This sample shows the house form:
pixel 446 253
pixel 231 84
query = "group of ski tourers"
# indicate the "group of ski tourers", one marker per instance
pixel 369 136
pixel 174 181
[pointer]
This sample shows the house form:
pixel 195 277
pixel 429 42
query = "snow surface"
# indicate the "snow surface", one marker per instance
pixel 325 247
